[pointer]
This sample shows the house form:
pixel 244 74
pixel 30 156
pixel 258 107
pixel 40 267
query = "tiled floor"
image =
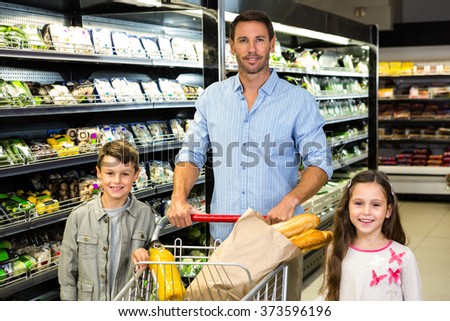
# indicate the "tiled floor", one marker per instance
pixel 427 226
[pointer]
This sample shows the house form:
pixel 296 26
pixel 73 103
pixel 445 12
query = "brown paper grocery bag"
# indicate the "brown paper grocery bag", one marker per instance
pixel 251 252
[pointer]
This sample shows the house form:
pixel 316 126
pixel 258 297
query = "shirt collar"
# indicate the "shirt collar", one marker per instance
pixel 268 87
pixel 129 209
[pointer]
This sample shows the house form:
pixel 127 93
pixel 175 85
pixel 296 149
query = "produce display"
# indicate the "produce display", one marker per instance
pixel 22 257
pixel 102 41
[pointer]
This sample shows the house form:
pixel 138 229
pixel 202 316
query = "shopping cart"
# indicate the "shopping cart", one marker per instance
pixel 283 283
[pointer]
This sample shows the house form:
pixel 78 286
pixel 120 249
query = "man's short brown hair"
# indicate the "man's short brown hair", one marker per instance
pixel 253 15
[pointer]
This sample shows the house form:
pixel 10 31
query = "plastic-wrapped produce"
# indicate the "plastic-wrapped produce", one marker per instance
pixel 152 91
pixel 183 49
pixel 34 35
pixel 177 129
pixel 83 92
pixel 142 181
pixel 142 133
pixel 165 47
pixel 150 45
pixel 136 91
pixel 122 89
pixel 159 130
pixel 121 43
pixel 39 93
pixel 101 39
pixel 104 91
pixel 59 36
pixel 88 187
pixel 171 89
pixel 81 40
pixel 60 94
pixel 136 48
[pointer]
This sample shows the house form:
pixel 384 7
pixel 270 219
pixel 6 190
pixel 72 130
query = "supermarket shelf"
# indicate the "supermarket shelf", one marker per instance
pixel 29 281
pixel 415 100
pixel 42 110
pixel 415 170
pixel 418 180
pixel 23 224
pixel 414 121
pixel 415 140
pixel 346 162
pixel 60 162
pixel 341 141
pixel 341 96
pixel 322 72
pixel 51 55
pixel 329 121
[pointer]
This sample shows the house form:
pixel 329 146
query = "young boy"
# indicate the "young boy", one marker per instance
pixel 101 235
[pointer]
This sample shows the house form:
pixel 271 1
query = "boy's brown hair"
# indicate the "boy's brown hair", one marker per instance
pixel 121 150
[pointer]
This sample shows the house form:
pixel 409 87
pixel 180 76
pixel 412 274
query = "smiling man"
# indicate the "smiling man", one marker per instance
pixel 260 128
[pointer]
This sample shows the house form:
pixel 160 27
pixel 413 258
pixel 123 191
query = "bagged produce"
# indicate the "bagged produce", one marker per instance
pixel 88 187
pixel 142 133
pixel 151 90
pixel 150 45
pixel 170 287
pixel 101 38
pixel 81 40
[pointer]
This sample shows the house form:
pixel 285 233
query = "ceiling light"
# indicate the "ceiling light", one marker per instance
pixel 296 31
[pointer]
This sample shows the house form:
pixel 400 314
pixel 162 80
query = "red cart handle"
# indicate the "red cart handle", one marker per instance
pixel 221 218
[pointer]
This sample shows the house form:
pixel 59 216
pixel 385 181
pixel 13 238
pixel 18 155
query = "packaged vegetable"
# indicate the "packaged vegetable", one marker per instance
pixel 34 35
pixel 81 40
pixel 88 187
pixel 121 43
pixel 150 45
pixel 142 133
pixel 136 49
pixel 170 287
pixel 101 39
pixel 59 36
pixel 104 91
pixel 152 91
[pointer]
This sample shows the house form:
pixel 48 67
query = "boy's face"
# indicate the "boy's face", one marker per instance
pixel 117 178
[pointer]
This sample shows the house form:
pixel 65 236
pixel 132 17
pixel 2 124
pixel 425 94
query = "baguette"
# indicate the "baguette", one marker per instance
pixel 297 224
pixel 312 239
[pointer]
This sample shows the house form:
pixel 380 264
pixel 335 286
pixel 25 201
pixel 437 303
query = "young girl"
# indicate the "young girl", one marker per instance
pixel 367 259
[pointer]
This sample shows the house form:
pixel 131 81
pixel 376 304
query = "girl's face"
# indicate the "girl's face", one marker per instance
pixel 368 209
pixel 117 179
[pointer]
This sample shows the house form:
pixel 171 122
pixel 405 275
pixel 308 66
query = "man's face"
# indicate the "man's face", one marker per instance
pixel 252 46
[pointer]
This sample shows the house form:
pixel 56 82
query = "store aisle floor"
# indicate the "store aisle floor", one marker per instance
pixel 427 226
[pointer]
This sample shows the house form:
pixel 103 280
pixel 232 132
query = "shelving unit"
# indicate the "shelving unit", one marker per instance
pixel 188 20
pixel 411 121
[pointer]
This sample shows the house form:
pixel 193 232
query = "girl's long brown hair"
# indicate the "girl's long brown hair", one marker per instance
pixel 344 231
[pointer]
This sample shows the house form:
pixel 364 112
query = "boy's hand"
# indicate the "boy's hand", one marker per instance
pixel 140 255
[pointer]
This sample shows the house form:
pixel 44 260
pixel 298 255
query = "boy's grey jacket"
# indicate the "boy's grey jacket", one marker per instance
pixel 83 264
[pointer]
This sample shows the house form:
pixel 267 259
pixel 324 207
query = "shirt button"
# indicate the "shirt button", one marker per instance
pixel 102 276
pixel 105 248
pixel 86 239
pixel 106 219
pixel 142 236
pixel 243 193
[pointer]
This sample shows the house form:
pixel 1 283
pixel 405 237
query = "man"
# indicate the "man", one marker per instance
pixel 259 128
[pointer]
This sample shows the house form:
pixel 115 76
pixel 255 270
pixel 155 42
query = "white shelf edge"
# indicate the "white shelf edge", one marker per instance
pixel 415 170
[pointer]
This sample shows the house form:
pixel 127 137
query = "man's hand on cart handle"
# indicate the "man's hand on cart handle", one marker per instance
pixel 139 255
pixel 179 214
